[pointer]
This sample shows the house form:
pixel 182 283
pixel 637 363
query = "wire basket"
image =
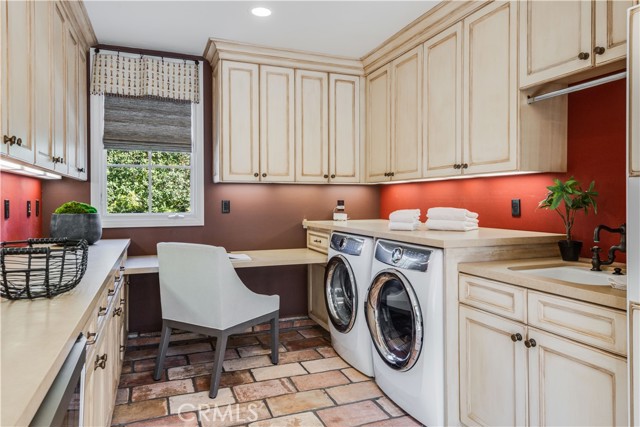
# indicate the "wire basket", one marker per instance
pixel 39 268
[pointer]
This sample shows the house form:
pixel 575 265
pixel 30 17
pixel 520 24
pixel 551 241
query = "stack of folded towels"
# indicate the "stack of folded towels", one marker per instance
pixel 404 219
pixel 451 219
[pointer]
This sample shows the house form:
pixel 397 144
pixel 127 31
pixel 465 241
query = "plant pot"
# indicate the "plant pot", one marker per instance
pixel 570 249
pixel 77 226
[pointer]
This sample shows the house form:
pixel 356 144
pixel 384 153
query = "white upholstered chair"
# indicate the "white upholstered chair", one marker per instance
pixel 201 292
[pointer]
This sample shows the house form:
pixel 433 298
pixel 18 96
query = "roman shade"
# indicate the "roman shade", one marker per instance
pixel 146 124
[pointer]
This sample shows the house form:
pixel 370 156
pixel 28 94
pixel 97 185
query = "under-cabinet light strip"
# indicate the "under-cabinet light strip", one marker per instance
pixel 8 166
pixel 576 88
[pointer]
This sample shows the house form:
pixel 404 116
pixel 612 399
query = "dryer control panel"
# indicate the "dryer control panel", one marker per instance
pixel 403 257
pixel 346 244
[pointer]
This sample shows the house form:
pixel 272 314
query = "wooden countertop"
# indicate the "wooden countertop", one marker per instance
pixel 502 272
pixel 265 258
pixel 439 239
pixel 37 335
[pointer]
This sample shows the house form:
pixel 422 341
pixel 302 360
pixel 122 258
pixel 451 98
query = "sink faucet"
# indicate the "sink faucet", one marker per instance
pixel 622 246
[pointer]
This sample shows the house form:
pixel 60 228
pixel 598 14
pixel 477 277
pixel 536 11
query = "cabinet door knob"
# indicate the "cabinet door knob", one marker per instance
pixel 326 176
pixel 465 166
pixel 91 338
pixel 101 362
pixel 583 56
pixel 256 174
pixel 19 142
pixel 530 343
pixel 10 139
pixel 392 174
pixel 333 175
pixel 599 50
pixel 516 337
pixel 117 312
pixel 81 170
pixel 264 175
pixel 102 311
pixel 456 166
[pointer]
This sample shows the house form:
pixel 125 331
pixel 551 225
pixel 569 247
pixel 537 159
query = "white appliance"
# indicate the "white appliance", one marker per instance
pixel 346 282
pixel 405 317
pixel 633 211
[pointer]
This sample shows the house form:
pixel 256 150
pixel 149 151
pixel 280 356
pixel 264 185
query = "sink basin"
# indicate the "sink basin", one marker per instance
pixel 569 273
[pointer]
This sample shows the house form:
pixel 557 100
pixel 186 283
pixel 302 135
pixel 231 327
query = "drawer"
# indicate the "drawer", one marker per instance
pixel 318 241
pixel 494 297
pixel 600 327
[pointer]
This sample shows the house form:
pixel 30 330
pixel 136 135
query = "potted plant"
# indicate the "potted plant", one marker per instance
pixel 574 198
pixel 76 220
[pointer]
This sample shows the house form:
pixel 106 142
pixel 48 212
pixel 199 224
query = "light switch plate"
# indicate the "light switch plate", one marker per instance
pixel 515 207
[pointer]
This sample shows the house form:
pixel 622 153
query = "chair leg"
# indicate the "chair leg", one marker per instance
pixel 275 340
pixel 162 351
pixel 221 345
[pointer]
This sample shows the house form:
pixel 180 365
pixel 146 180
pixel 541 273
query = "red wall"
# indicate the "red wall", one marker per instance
pixel 18 189
pixel 596 151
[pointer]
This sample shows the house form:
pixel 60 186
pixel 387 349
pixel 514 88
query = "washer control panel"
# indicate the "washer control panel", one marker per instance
pixel 346 244
pixel 402 256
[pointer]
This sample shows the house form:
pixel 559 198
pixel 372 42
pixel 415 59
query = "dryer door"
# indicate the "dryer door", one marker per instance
pixel 341 293
pixel 394 319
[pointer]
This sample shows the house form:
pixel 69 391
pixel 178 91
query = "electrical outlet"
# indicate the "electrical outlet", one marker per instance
pixel 6 209
pixel 37 207
pixel 515 207
pixel 28 208
pixel 226 206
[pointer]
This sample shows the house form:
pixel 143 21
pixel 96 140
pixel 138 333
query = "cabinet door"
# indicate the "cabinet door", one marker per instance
pixel 611 29
pixel 240 126
pixel 43 85
pixel 312 126
pixel 633 96
pixel 571 384
pixel 490 89
pixel 277 139
pixel 634 360
pixel 406 116
pixel 17 78
pixel 58 81
pixel 316 295
pixel 344 128
pixel 97 399
pixel 442 103
pixel 80 170
pixel 492 370
pixel 552 36
pixel 378 124
pixel 68 164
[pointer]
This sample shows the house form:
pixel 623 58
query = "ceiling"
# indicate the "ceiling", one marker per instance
pixel 344 28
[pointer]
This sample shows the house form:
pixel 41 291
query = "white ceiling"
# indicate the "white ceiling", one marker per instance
pixel 344 28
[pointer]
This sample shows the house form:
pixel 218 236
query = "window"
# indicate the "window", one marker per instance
pixel 147 161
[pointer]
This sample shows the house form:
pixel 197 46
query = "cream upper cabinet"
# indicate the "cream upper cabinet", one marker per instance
pixel 67 162
pixel 240 122
pixel 378 124
pixel 633 95
pixel 572 384
pixel 344 128
pixel 18 79
pixel 492 358
pixel 442 103
pixel 561 38
pixel 394 117
pixel 58 86
pixel 490 90
pixel 312 126
pixel 80 170
pixel 277 115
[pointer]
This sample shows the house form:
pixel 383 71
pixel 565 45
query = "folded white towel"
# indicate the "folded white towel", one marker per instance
pixel 451 214
pixel 443 224
pixel 404 226
pixel 618 282
pixel 405 215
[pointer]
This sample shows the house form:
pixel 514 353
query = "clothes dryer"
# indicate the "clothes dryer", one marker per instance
pixel 346 282
pixel 405 317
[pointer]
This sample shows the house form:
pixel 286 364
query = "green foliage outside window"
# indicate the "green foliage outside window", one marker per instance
pixel 148 182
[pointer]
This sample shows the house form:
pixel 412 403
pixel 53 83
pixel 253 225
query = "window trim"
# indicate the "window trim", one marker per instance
pixel 135 220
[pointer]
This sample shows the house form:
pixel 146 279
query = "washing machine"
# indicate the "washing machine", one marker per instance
pixel 346 281
pixel 405 317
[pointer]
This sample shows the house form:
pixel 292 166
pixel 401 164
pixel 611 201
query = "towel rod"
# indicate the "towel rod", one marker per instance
pixel 576 88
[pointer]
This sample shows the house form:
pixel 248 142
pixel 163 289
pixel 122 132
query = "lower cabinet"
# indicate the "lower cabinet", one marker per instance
pixel 512 373
pixel 316 297
pixel 105 353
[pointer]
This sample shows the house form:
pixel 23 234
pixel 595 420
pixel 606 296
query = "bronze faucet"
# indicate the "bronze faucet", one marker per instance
pixel 622 246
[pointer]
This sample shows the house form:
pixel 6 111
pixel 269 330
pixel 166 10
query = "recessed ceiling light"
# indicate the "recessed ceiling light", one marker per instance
pixel 261 11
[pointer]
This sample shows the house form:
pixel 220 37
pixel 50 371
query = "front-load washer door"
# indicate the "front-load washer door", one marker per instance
pixel 341 293
pixel 394 319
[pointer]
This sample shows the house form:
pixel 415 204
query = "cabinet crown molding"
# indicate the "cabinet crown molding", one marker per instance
pixel 77 13
pixel 218 49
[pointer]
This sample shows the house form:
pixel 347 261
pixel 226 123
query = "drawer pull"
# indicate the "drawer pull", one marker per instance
pixel 102 311
pixel 101 362
pixel 91 338
pixel 516 337
pixel 122 301
pixel 317 241
pixel 530 343
pixel 123 347
pixel 117 312
pixel 111 292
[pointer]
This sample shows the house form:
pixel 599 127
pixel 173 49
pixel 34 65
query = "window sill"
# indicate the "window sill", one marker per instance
pixel 160 220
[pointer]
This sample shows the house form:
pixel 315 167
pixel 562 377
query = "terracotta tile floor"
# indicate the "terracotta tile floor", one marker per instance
pixel 311 386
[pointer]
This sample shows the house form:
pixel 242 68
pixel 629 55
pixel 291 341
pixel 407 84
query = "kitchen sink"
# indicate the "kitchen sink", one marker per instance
pixel 580 275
